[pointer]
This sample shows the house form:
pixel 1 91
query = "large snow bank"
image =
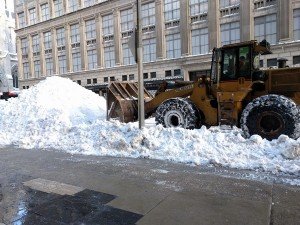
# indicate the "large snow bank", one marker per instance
pixel 59 114
pixel 48 110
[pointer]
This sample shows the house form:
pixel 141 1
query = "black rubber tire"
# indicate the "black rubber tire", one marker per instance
pixel 177 112
pixel 270 116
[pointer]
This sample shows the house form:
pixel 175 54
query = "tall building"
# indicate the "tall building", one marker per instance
pixel 87 40
pixel 8 53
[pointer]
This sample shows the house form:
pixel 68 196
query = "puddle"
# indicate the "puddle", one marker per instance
pixel 34 207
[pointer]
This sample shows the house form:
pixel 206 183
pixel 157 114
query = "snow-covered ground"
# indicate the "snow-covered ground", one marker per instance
pixel 59 114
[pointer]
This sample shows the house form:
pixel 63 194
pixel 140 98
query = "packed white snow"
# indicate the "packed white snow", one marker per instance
pixel 60 114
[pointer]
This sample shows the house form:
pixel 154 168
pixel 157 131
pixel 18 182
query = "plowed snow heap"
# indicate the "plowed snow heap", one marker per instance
pixel 54 104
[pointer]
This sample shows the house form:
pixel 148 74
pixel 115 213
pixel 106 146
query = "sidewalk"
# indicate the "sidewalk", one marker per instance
pixel 45 187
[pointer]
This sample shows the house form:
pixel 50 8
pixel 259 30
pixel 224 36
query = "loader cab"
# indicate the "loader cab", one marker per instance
pixel 236 63
pixel 231 62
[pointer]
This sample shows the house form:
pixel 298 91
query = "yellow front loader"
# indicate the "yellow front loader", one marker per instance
pixel 237 93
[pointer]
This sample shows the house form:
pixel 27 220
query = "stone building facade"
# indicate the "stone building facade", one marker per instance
pixel 8 54
pixel 87 40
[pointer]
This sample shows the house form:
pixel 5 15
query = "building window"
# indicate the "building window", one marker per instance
pixel 124 77
pixel 35 44
pixel 24 46
pixel 94 80
pixel 153 74
pixel 177 72
pixel 32 16
pixel 89 2
pixel 76 61
pixel 200 41
pixel 148 14
pixel 266 28
pixel 73 5
pixel 37 68
pixel 26 70
pixel 226 3
pixel 296 59
pixel 271 62
pixel 198 7
pixel 109 56
pixel 261 63
pixel 112 79
pixel 126 20
pixel 145 75
pixel 149 50
pixel 297 24
pixel 168 73
pixel 92 59
pixel 60 37
pixel 172 10
pixel 88 81
pixel 128 58
pixel 108 25
pixel 131 76
pixel 173 46
pixel 79 82
pixel 230 33
pixel 264 3
pixel 58 8
pixel 47 40
pixel 62 64
pixel 49 66
pixel 75 36
pixel 45 12
pixel 90 29
pixel 21 19
pixel 105 79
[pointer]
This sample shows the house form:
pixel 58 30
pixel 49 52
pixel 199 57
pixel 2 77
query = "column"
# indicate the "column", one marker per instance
pixel 246 20
pixel 284 22
pixel 117 36
pixel 80 4
pixel 66 6
pixel 38 12
pixel 68 49
pixel 42 55
pixel 159 27
pixel 26 14
pixel 54 52
pixel 99 41
pixel 214 23
pixel 30 57
pixel 51 9
pixel 83 52
pixel 184 28
pixel 20 59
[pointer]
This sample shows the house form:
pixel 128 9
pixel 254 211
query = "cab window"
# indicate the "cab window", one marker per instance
pixel 229 65
pixel 244 62
pixel 236 63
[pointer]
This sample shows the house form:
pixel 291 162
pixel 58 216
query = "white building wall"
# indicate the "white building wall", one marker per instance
pixel 8 55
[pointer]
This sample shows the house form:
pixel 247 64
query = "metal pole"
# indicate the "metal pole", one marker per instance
pixel 141 107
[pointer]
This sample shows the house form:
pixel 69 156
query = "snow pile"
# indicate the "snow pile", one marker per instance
pixel 59 114
pixel 48 110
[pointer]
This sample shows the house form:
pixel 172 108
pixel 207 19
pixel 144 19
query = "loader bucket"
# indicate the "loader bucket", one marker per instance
pixel 122 101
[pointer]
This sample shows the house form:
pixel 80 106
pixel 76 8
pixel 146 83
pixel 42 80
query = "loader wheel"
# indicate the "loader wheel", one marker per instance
pixel 177 112
pixel 270 116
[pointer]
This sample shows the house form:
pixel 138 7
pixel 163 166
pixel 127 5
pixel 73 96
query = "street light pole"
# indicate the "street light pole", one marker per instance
pixel 141 107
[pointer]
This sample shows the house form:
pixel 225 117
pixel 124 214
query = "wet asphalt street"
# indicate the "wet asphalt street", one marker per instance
pixel 46 187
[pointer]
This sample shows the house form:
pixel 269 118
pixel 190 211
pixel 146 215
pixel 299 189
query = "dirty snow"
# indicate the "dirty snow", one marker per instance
pixel 60 114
